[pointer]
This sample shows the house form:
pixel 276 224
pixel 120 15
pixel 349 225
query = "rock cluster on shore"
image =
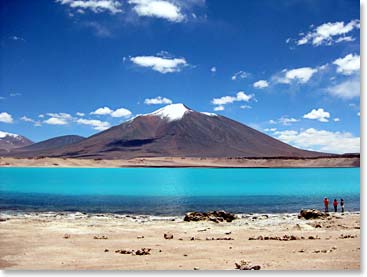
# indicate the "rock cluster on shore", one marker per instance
pixel 215 216
pixel 312 214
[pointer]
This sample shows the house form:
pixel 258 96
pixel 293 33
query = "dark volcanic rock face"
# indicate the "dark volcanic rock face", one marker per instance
pixel 177 131
pixel 9 141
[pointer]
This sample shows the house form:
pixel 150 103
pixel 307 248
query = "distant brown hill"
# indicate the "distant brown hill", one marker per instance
pixel 51 144
pixel 9 141
pixel 176 131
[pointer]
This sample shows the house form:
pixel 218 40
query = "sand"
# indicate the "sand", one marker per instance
pixel 180 162
pixel 66 241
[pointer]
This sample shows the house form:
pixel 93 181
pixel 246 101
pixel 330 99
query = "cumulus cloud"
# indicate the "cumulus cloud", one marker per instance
pixel 329 33
pixel 6 117
pixel 321 140
pixel 348 65
pixel 346 89
pixel 80 114
pixel 55 121
pixel 300 75
pixel 219 108
pixel 336 119
pixel 58 118
pixel 121 112
pixel 30 120
pixel 162 64
pixel 159 9
pixel 240 75
pixel 96 124
pixel 224 100
pixel 96 6
pixel 287 120
pixel 213 69
pixel 261 84
pixel 157 101
pixel 319 114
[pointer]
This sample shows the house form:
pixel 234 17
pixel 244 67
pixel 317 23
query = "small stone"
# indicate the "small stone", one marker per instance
pixel 168 236
pixel 106 250
pixel 196 268
pixel 66 236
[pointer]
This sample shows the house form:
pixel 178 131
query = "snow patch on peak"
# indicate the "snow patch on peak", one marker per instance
pixel 172 112
pixel 6 134
pixel 209 114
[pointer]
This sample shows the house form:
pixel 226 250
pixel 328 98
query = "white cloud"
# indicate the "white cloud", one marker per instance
pixel 159 9
pixel 96 124
pixel 96 6
pixel 16 38
pixel 121 112
pixel 55 121
pixel 240 75
pixel 321 140
pixel 261 84
pixel 57 118
pixel 157 101
pixel 213 69
pixel 346 90
pixel 245 107
pixel 329 33
pixel 287 120
pixel 336 119
pixel 348 65
pixel 224 100
pixel 240 96
pixel 26 119
pixel 80 114
pixel 219 108
pixel 319 114
pixel 6 118
pixel 160 64
pixel 300 75
pixel 102 111
pixel 270 129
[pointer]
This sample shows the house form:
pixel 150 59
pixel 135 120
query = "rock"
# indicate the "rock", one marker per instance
pixel 140 237
pixel 66 236
pixel 106 250
pixel 214 216
pixel 196 268
pixel 228 233
pixel 304 227
pixel 100 237
pixel 311 214
pixel 243 265
pixel 168 236
pixel 143 251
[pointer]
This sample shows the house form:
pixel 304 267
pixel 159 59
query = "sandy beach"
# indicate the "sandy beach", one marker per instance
pixel 77 241
pixel 181 162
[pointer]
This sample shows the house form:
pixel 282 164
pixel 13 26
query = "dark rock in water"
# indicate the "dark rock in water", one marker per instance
pixel 215 216
pixel 168 236
pixel 311 214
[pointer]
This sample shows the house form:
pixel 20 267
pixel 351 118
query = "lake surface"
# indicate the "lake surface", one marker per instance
pixel 174 191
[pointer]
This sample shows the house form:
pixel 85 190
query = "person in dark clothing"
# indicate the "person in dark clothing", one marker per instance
pixel 335 204
pixel 342 204
pixel 326 203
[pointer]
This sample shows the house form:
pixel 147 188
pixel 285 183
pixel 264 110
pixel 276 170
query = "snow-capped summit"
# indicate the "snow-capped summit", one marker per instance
pixel 10 141
pixel 172 112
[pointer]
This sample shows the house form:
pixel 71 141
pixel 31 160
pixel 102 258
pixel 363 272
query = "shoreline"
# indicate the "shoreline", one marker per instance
pixel 184 162
pixel 77 241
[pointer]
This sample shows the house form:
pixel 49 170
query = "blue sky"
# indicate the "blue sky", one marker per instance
pixel 289 68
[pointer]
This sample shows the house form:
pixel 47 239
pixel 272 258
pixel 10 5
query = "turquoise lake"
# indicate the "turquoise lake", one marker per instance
pixel 175 190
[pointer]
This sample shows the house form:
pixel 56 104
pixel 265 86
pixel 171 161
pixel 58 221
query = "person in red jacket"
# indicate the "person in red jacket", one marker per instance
pixel 335 204
pixel 326 203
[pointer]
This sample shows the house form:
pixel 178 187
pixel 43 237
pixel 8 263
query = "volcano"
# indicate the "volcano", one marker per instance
pixel 177 131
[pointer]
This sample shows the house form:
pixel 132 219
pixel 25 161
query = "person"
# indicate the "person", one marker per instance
pixel 342 204
pixel 326 203
pixel 335 204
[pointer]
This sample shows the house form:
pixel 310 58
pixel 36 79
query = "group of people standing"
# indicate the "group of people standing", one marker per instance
pixel 335 204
